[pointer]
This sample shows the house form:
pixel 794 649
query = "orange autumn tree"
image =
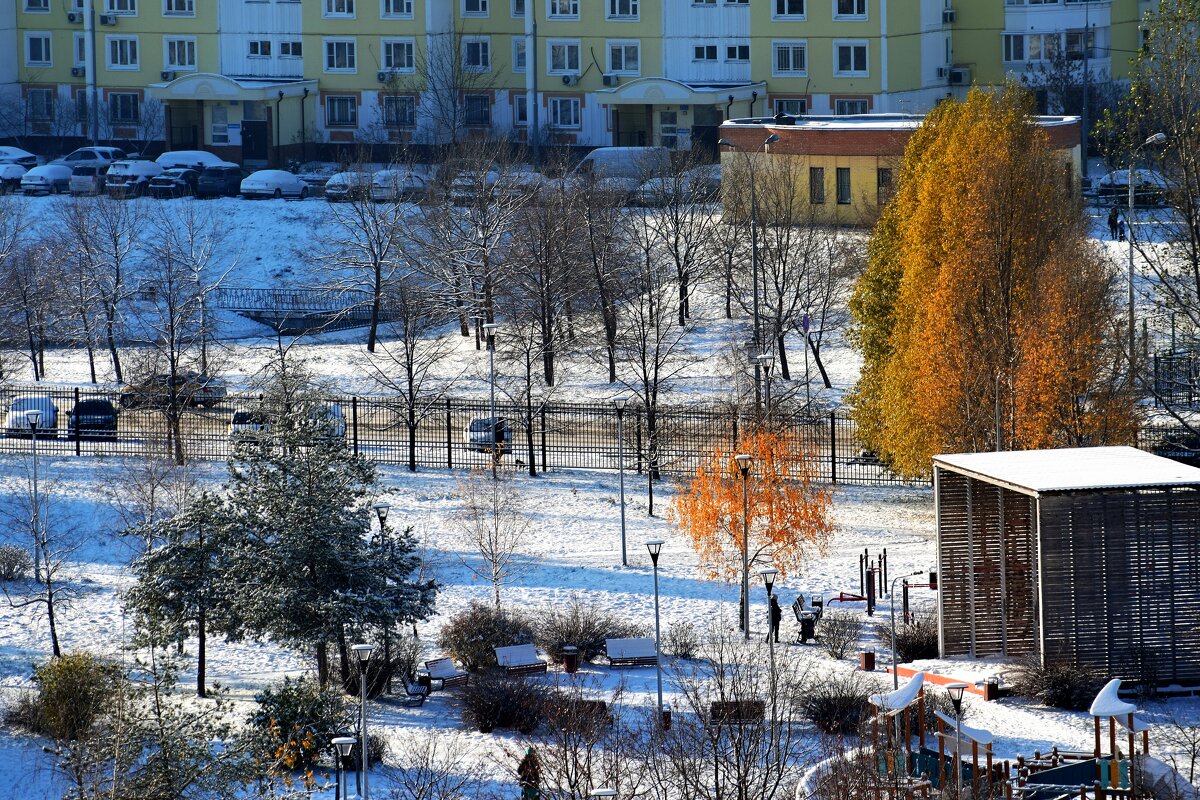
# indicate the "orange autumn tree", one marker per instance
pixel 789 511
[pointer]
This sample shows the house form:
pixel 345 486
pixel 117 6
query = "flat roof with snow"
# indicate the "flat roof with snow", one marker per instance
pixel 1070 469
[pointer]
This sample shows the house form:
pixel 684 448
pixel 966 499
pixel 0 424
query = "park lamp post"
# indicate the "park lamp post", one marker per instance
pixel 1156 139
pixel 955 690
pixel 490 329
pixel 34 417
pixel 766 361
pixel 381 510
pixel 770 140
pixel 768 575
pixel 892 599
pixel 655 548
pixel 344 745
pixel 363 651
pixel 743 464
pixel 619 404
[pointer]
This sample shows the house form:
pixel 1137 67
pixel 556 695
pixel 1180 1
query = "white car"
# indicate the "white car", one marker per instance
pixel 698 185
pixel 88 179
pixel 91 155
pixel 391 185
pixel 347 186
pixel 196 159
pixel 127 178
pixel 15 155
pixel 10 177
pixel 17 422
pixel 273 183
pixel 46 179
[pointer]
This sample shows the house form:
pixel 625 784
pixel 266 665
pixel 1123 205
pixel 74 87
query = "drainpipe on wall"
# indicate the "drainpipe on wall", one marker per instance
pixel 278 160
pixel 89 66
pixel 531 78
pixel 303 129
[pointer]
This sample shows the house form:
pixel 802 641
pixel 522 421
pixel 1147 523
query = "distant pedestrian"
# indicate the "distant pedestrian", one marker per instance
pixel 1112 223
pixel 776 618
pixel 529 774
pixel 1120 230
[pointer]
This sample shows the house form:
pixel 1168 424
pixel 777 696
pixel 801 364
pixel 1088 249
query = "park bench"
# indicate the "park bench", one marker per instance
pixel 738 712
pixel 520 659
pixel 443 669
pixel 631 652
pixel 414 694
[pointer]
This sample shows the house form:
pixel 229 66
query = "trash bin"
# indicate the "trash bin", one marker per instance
pixel 991 689
pixel 570 659
pixel 866 660
pixel 666 716
pixel 808 627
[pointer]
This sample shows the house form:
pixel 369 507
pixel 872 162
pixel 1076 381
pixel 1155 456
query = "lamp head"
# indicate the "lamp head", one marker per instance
pixel 620 402
pixel 772 139
pixel 491 327
pixel 1158 138
pixel 381 510
pixel 955 690
pixel 655 547
pixel 363 651
pixel 743 462
pixel 34 416
pixel 344 744
pixel 723 142
pixel 768 576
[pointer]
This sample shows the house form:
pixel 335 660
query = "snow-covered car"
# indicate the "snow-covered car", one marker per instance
pixel 130 177
pixel 91 155
pixel 17 422
pixel 698 185
pixel 191 388
pixel 196 159
pixel 88 178
pixel 15 155
pixel 10 177
pixel 273 183
pixel 94 418
pixel 394 185
pixel 484 433
pixel 175 182
pixel 329 418
pixel 1149 187
pixel 523 180
pixel 245 425
pixel 348 186
pixel 46 179
pixel 469 185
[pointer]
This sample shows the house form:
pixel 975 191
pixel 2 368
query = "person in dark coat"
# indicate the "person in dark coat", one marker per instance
pixel 1120 230
pixel 1112 223
pixel 529 774
pixel 776 618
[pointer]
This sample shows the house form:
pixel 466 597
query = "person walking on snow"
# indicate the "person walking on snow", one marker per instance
pixel 776 618
pixel 1112 223
pixel 529 774
pixel 1120 230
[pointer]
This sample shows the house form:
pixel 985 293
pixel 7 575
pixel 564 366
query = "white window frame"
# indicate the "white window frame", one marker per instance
pixel 518 13
pixel 858 15
pixel 48 48
pixel 612 10
pixel 778 104
pixel 262 53
pixel 179 40
pixel 1007 41
pixel 703 58
pixel 183 8
pixel 481 8
pixel 79 49
pixel 866 108
pixel 42 7
pixel 791 45
pixel 338 9
pixel 521 101
pixel 354 103
pixel 554 107
pixel 554 9
pixel 551 44
pixel 289 44
pixel 838 44
pixel 776 14
pixel 520 64
pixel 737 59
pixel 489 104
pixel 136 53
pixel 401 14
pixel 137 106
pixel 486 41
pixel 351 53
pixel 398 99
pixel 121 8
pixel 385 48
pixel 623 45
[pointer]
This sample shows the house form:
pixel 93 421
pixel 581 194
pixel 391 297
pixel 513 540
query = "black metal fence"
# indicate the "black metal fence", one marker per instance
pixel 551 436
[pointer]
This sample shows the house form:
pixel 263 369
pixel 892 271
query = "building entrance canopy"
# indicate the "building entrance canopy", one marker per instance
pixel 665 91
pixel 207 86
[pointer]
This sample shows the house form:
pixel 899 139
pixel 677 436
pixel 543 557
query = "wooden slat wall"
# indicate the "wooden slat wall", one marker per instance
pixel 953 582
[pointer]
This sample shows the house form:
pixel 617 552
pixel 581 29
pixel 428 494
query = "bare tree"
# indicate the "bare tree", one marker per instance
pixel 28 287
pixel 446 77
pixel 607 254
pixel 13 228
pixel 493 524
pixel 437 766
pixel 520 348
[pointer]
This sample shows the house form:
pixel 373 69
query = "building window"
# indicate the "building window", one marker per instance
pixel 179 8
pixel 477 54
pixel 339 8
pixel 849 9
pixel 341 55
pixel 704 2
pixel 81 109
pixel 518 57
pixel 625 58
pixel 521 110
pixel 883 184
pixel 1042 46
pixel 122 52
pixel 788 8
pixel 518 8
pixel 793 106
pixel 37 50
pixel 475 8
pixel 179 53
pixel 477 109
pixel 399 55
pixel 291 50
pixel 791 58
pixel 668 129
pixel 220 124
pixel 37 6
pixel 843 186
pixel 850 58
pixel 341 112
pixel 563 9
pixel 1076 46
pixel 704 52
pixel 816 185
pixel 123 7
pixel 260 48
pixel 400 111
pixel 124 108
pixel 40 103
pixel 1014 47
pixel 737 52
pixel 564 112
pixel 79 49
pixel 564 57
pixel 844 108
pixel 396 8
pixel 622 9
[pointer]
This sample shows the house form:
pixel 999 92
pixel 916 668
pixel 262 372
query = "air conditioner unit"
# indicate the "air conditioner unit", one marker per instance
pixel 960 76
pixel 108 19
pixel 570 80
pixel 74 16
pixel 947 16
pixel 383 77
pixel 78 72
pixel 610 80
pixel 943 72
pixel 167 75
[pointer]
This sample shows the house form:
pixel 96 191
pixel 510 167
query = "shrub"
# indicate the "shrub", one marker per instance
pixel 495 700
pixel 838 633
pixel 73 692
pixel 837 704
pixel 472 635
pixel 14 563
pixel 584 626
pixel 682 640
pixel 404 657
pixel 914 640
pixel 296 720
pixel 1056 685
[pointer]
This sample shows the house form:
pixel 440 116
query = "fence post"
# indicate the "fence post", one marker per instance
pixel 543 415
pixel 449 436
pixel 75 411
pixel 833 447
pixel 354 421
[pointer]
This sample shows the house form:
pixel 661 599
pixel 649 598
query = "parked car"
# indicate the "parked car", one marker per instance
pixel 88 178
pixel 348 186
pixel 17 422
pixel 192 389
pixel 95 418
pixel 196 159
pixel 329 417
pixel 221 180
pixel 392 185
pixel 15 155
pixel 698 185
pixel 479 435
pixel 1149 187
pixel 620 171
pixel 176 182
pixel 130 178
pixel 245 426
pixel 10 177
pixel 91 155
pixel 275 183
pixel 46 179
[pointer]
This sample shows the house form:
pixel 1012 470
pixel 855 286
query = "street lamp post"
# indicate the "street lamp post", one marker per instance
pixel 619 403
pixel 344 745
pixel 34 417
pixel 768 575
pixel 743 464
pixel 766 360
pixel 363 651
pixel 490 328
pixel 955 690
pixel 892 599
pixel 655 548
pixel 1156 139
pixel 385 545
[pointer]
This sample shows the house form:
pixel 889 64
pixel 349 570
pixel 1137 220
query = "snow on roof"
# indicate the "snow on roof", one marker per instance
pixel 901 698
pixel 1072 469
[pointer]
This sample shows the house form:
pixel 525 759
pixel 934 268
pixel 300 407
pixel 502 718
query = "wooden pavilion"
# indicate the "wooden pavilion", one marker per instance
pixel 1087 557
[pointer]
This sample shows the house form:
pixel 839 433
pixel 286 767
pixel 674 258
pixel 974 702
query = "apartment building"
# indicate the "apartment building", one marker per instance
pixel 264 80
